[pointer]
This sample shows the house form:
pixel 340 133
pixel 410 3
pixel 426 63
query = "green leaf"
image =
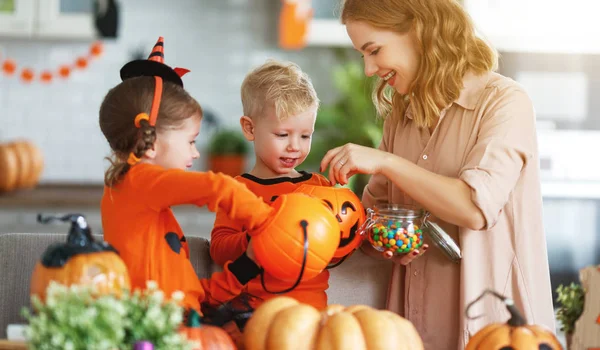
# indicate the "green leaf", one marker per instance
pixel 571 299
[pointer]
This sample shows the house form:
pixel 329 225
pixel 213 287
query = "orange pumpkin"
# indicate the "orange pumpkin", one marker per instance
pixel 349 212
pixel 206 337
pixel 299 241
pixel 283 323
pixel 9 168
pixel 36 165
pixel 81 260
pixel 21 163
pixel 515 334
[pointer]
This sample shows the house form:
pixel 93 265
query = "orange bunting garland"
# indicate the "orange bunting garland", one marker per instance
pixel 28 75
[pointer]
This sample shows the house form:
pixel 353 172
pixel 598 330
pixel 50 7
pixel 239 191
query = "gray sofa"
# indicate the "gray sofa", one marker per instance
pixel 359 280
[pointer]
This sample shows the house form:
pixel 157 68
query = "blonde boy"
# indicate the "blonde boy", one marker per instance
pixel 280 109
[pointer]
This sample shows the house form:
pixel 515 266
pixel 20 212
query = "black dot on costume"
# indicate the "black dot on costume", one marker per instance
pixel 545 347
pixel 507 348
pixel 274 198
pixel 173 241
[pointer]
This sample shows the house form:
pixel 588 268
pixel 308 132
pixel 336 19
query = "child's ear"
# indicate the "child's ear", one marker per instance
pixel 247 127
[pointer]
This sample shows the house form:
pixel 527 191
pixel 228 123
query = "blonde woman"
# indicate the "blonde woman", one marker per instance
pixel 460 141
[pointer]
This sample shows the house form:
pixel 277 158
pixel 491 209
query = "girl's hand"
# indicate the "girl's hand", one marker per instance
pixel 350 159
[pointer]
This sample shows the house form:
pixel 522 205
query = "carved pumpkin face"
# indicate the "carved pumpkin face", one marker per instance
pixel 82 261
pixel 513 335
pixel 348 211
pixel 299 240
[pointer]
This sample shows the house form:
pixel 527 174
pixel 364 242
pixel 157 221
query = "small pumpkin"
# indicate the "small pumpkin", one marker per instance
pixel 206 337
pixel 283 323
pixel 21 165
pixel 348 211
pixel 299 240
pixel 515 334
pixel 81 260
pixel 9 168
pixel 36 165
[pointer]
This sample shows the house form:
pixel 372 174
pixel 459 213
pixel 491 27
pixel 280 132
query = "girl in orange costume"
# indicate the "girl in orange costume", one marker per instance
pixel 150 123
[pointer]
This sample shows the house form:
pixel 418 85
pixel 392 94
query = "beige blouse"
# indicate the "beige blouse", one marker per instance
pixel 487 138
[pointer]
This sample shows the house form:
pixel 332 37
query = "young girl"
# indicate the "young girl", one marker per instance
pixel 150 123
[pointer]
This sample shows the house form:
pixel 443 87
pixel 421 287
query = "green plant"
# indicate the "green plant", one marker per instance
pixel 571 299
pixel 352 118
pixel 228 142
pixel 76 318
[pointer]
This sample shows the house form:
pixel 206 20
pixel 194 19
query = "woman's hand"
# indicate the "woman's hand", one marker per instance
pixel 404 259
pixel 350 159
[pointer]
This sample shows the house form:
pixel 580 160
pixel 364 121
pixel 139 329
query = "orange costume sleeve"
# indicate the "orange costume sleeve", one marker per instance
pixel 138 222
pixel 229 238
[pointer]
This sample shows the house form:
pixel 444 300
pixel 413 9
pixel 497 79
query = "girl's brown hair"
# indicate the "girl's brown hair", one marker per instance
pixel 117 120
pixel 445 37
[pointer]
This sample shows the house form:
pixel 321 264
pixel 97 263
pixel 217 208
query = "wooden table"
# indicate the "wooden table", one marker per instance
pixel 12 345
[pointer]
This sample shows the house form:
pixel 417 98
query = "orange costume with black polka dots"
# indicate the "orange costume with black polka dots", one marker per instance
pixel 229 240
pixel 138 222
pixel 136 210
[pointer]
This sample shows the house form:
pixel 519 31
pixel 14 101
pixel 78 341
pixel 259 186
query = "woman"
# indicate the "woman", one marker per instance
pixel 460 141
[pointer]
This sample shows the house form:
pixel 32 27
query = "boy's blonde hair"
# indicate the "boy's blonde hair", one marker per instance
pixel 282 86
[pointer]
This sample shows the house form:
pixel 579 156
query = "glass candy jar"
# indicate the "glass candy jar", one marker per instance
pixel 396 230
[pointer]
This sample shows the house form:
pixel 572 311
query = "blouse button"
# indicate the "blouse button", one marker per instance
pixel 424 157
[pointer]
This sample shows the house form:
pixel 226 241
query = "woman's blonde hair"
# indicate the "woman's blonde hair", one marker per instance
pixel 448 47
pixel 280 85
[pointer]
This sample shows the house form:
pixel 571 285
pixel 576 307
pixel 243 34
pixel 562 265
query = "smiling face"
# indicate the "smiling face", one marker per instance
pixel 390 55
pixel 280 145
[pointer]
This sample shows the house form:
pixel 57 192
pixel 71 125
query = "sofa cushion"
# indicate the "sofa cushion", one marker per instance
pixel 20 251
pixel 360 279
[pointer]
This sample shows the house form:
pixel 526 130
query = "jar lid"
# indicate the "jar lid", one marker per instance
pixel 397 210
pixel 442 240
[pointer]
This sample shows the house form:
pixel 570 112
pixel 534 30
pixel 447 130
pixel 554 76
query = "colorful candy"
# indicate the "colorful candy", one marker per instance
pixel 395 237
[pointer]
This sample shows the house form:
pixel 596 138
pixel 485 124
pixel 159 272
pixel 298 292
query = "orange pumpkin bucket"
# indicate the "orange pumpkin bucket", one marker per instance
pixel 349 213
pixel 299 241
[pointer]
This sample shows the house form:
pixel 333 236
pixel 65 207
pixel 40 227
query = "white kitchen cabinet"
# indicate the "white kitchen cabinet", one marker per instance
pixel 543 26
pixel 66 19
pixel 47 19
pixel 325 28
pixel 17 17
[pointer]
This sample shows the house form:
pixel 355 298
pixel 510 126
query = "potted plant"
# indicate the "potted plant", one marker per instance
pixel 350 118
pixel 227 152
pixel 76 317
pixel 571 299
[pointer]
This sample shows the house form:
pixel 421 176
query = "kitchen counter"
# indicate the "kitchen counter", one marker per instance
pixel 53 196
pixel 19 209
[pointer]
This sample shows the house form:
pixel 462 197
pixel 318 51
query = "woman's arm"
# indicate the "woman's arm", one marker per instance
pixel 447 198
pixel 506 141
